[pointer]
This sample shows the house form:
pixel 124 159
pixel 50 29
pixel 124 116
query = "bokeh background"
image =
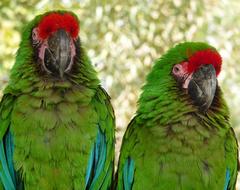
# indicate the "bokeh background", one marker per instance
pixel 123 37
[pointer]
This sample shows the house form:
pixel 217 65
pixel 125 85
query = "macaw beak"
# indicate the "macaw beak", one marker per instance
pixel 202 86
pixel 58 54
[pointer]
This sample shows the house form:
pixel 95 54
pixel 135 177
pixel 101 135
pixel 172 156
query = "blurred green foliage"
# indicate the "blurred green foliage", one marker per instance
pixel 124 37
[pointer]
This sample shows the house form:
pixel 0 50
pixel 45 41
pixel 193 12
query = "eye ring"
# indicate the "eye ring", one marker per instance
pixel 35 34
pixel 176 69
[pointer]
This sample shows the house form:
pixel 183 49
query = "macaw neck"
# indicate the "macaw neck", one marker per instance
pixel 218 113
pixel 166 104
pixel 219 105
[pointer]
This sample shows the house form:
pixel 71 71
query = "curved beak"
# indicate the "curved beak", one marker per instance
pixel 202 86
pixel 58 54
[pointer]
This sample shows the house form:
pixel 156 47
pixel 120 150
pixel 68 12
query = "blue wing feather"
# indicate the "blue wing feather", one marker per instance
pixel 89 168
pixel 128 174
pixel 97 160
pixel 7 174
pixel 227 179
pixel 101 152
pixel 9 154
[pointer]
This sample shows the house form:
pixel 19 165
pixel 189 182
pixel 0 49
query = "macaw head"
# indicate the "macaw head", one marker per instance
pixel 51 54
pixel 54 39
pixel 183 78
pixel 197 74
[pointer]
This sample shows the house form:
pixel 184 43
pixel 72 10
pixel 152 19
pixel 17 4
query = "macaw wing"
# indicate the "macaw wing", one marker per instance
pixel 101 162
pixel 7 172
pixel 231 152
pixel 125 175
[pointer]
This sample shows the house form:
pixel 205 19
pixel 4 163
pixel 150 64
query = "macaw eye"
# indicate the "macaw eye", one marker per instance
pixel 35 37
pixel 34 34
pixel 176 69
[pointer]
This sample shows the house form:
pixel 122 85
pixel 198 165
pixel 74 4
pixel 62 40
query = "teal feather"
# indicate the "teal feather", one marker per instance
pixel 128 174
pixel 97 160
pixel 101 149
pixel 89 167
pixel 227 179
pixel 9 154
pixel 5 173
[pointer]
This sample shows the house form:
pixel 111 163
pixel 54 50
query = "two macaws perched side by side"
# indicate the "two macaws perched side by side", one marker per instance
pixel 56 121
pixel 181 137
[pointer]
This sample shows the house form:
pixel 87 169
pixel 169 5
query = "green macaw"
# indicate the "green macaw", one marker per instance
pixel 56 121
pixel 180 138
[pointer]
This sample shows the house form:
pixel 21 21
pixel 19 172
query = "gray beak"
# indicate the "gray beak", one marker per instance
pixel 58 56
pixel 202 86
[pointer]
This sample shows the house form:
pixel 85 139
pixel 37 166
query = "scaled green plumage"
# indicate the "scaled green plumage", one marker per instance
pixel 54 123
pixel 170 144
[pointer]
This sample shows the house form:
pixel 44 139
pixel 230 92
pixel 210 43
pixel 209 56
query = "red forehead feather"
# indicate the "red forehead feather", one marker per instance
pixel 207 56
pixel 55 21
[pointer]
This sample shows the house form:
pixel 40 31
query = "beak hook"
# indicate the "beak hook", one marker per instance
pixel 202 86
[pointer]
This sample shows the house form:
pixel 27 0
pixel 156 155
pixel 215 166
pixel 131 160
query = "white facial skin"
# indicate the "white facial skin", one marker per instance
pixel 180 72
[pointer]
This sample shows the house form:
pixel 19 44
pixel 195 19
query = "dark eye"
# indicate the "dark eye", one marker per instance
pixel 176 69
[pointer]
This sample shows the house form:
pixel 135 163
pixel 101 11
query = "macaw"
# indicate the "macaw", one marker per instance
pixel 180 138
pixel 56 121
